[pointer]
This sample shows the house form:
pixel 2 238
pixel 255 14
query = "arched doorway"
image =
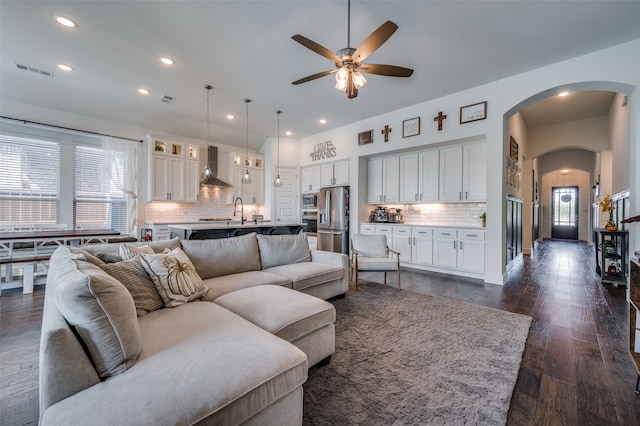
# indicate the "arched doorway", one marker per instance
pixel 575 132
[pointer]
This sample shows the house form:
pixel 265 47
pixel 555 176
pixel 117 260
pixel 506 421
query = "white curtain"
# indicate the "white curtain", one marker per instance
pixel 124 178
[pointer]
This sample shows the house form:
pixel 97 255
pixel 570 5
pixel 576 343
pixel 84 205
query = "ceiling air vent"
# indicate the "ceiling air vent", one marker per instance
pixel 34 70
pixel 167 99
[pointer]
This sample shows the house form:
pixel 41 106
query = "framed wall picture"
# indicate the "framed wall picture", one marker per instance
pixel 411 127
pixel 365 137
pixel 513 148
pixel 473 112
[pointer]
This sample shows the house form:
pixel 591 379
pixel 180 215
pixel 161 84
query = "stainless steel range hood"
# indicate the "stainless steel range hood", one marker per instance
pixel 212 157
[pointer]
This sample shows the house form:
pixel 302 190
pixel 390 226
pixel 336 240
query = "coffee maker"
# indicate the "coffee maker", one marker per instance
pixel 395 216
pixel 380 214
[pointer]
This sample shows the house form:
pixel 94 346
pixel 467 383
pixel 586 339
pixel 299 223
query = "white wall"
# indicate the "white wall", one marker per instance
pixel 589 133
pixel 619 142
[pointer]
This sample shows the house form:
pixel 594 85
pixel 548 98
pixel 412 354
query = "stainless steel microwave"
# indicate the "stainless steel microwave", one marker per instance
pixel 309 200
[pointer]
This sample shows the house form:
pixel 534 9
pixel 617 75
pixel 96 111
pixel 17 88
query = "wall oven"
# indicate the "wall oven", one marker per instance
pixel 310 222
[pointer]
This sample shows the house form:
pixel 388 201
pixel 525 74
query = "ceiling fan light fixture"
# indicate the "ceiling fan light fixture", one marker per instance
pixel 358 79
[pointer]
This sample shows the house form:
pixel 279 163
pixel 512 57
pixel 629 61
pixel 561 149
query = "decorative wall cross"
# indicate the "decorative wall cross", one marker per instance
pixel 440 118
pixel 386 132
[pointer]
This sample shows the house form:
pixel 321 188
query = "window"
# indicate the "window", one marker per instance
pixel 29 182
pixel 97 202
pixel 49 177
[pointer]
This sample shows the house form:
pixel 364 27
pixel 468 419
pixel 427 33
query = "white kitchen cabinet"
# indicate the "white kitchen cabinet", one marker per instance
pixel 402 242
pixel 310 179
pixel 474 167
pixel 159 232
pixel 173 171
pixel 451 174
pixel 334 174
pixel 463 173
pixel 251 193
pixel 471 251
pixel 192 181
pixel 422 249
pixel 449 250
pixel 383 180
pixel 419 176
pixel 366 228
pixel 445 247
pixel 415 244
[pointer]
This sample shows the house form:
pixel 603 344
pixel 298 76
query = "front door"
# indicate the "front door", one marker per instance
pixel 564 212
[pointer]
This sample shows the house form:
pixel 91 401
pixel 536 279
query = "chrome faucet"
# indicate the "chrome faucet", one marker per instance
pixel 235 206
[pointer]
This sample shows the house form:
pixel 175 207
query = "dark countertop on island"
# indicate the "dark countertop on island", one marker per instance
pixel 205 231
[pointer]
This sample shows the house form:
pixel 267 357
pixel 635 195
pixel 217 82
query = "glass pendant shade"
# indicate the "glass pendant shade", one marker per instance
pixel 206 173
pixel 278 182
pixel 246 177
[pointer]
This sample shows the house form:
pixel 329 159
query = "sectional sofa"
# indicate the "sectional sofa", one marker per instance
pixel 186 332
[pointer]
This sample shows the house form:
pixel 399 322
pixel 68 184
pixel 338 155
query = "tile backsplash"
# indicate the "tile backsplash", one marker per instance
pixel 445 214
pixel 214 203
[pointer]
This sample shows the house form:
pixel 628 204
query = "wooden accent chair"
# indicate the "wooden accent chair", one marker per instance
pixel 371 253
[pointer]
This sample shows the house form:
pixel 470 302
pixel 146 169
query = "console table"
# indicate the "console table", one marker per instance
pixel 634 316
pixel 611 256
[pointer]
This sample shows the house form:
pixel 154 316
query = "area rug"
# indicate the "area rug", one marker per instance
pixel 404 358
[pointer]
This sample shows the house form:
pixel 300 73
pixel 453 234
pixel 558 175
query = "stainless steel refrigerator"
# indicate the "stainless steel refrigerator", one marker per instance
pixel 333 219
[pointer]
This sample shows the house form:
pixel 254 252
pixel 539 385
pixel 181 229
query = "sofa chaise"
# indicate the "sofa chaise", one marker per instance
pixel 226 338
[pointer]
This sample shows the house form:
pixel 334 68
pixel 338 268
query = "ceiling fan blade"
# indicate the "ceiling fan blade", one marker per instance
pixel 388 70
pixel 314 76
pixel 320 50
pixel 374 41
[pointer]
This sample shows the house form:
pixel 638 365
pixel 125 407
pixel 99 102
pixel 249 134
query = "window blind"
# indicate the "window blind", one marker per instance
pixel 98 203
pixel 29 181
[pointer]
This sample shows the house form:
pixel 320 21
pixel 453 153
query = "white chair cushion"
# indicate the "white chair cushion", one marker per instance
pixel 370 245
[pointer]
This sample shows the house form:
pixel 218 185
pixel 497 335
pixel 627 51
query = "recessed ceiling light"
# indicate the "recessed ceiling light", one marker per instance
pixel 230 116
pixel 64 67
pixel 288 133
pixel 67 22
pixel 562 94
pixel 143 91
pixel 167 61
pixel 323 121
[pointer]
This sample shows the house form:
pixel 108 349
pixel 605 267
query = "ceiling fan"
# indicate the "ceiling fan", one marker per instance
pixel 348 61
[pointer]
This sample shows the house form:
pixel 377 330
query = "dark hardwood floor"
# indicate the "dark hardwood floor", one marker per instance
pixel 576 369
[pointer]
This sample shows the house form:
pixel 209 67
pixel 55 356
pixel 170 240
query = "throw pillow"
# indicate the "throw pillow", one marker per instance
pixel 276 250
pixel 87 256
pixel 135 278
pixel 224 256
pixel 174 276
pixel 101 311
pixel 109 257
pixel 127 252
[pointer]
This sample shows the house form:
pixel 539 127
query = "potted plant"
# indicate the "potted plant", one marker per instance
pixel 606 205
pixel 483 217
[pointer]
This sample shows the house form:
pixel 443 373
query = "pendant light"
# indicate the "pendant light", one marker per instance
pixel 278 182
pixel 246 177
pixel 207 173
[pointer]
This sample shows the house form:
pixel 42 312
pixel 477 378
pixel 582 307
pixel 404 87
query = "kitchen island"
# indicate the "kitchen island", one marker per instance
pixel 232 229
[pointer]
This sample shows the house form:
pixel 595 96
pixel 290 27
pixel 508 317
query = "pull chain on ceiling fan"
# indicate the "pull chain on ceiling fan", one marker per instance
pixel 348 61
